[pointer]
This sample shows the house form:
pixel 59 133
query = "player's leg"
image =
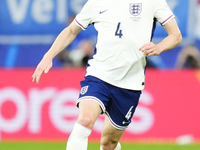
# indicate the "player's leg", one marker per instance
pixel 119 112
pixel 88 113
pixel 110 136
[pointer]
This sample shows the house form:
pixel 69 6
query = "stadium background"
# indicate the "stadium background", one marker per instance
pixel 168 107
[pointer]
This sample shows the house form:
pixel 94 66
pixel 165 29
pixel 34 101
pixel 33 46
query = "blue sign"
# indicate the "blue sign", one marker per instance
pixel 36 16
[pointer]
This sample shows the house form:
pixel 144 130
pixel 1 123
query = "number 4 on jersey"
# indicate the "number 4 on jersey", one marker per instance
pixel 118 32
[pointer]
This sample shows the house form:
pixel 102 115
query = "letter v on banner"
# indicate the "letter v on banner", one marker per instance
pixel 18 10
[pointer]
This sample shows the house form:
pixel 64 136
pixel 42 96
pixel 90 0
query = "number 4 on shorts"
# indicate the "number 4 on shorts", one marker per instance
pixel 128 115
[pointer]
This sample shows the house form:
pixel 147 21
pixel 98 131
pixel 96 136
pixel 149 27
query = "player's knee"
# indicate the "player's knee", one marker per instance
pixel 86 121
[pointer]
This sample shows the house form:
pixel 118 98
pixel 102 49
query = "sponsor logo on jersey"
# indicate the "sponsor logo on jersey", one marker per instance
pixel 135 8
pixel 84 90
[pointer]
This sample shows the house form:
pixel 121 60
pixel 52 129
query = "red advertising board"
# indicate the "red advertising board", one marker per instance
pixel 168 106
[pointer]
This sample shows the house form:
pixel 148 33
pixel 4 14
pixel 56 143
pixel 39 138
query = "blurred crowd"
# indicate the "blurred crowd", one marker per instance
pixel 79 56
pixel 79 51
pixel 189 57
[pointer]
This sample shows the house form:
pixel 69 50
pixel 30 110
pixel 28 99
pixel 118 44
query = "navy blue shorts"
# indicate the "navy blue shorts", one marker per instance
pixel 117 103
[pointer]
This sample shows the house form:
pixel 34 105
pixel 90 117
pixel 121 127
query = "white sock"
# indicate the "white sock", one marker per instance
pixel 117 148
pixel 78 139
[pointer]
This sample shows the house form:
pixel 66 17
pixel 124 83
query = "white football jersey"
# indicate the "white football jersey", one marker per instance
pixel 123 27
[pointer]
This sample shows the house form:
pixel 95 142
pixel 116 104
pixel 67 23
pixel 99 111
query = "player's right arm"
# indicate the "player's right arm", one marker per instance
pixel 61 42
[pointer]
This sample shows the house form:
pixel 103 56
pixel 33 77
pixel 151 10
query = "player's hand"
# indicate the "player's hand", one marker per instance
pixel 44 66
pixel 150 49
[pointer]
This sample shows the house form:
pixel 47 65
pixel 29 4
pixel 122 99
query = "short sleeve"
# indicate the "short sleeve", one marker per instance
pixel 162 12
pixel 84 18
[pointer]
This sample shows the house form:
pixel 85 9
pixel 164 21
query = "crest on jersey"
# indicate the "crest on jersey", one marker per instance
pixel 84 90
pixel 135 8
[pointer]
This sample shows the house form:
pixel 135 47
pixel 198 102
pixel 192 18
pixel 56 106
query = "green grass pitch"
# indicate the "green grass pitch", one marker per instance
pixel 94 146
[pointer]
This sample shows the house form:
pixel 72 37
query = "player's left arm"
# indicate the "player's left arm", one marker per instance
pixel 173 39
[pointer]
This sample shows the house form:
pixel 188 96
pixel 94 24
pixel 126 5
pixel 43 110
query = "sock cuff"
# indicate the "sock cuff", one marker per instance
pixel 81 130
pixel 118 146
pixel 78 138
